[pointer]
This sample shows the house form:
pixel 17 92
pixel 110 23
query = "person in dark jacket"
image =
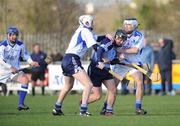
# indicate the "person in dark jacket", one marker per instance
pixel 38 72
pixel 165 64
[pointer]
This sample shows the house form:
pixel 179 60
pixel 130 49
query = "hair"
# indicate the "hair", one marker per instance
pixel 36 44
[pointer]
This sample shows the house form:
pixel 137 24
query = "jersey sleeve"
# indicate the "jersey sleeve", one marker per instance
pixel 2 61
pixel 88 37
pixel 106 44
pixel 25 55
pixel 139 42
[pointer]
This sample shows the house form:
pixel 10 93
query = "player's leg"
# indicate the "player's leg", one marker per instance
pixel 23 80
pixel 95 74
pixel 96 94
pixel 163 82
pixel 34 79
pixel 111 88
pixel 168 75
pixel 83 78
pixel 103 110
pixel 138 78
pixel 42 78
pixel 69 81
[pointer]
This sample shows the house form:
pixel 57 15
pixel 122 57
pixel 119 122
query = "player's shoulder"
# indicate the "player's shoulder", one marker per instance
pixel 3 43
pixel 85 30
pixel 19 42
pixel 138 34
pixel 105 40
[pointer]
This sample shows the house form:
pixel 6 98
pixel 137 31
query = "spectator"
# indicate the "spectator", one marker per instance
pixel 4 88
pixel 147 57
pixel 38 72
pixel 165 64
pixel 156 48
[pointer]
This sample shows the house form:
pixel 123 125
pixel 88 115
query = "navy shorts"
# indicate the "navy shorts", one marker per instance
pixel 71 64
pixel 97 75
pixel 38 75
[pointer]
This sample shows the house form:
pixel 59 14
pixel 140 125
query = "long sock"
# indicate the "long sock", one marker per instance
pixel 58 106
pixel 105 104
pixel 22 94
pixel 33 91
pixel 109 109
pixel 83 108
pixel 138 104
pixel 42 90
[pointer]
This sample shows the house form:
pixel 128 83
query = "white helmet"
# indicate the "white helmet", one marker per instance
pixel 132 21
pixel 86 20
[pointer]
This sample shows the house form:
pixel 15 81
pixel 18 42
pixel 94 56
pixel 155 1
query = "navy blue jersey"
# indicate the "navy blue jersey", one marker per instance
pixel 109 51
pixel 40 57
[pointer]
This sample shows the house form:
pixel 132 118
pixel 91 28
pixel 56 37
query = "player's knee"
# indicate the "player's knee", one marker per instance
pixel 112 91
pixel 89 86
pixel 139 85
pixel 24 79
pixel 98 97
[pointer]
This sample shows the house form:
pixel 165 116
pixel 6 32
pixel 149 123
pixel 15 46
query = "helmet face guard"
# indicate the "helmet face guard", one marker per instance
pixel 120 37
pixel 121 34
pixel 13 30
pixel 86 21
pixel 133 22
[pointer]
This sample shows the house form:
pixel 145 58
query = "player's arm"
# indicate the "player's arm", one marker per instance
pixel 137 46
pixel 88 37
pixel 130 50
pixel 101 37
pixel 3 62
pixel 99 51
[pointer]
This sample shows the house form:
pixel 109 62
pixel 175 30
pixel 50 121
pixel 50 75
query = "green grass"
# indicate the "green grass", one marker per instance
pixel 162 111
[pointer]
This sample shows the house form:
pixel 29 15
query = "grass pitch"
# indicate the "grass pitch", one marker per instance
pixel 162 111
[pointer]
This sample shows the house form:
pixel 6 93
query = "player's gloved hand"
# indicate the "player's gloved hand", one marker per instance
pixel 100 65
pixel 109 36
pixel 13 70
pixel 34 64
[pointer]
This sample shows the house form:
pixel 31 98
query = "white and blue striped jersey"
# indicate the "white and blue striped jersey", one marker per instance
pixel 10 54
pixel 82 39
pixel 135 40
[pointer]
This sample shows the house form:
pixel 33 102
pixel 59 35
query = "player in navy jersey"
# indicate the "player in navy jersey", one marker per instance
pixel 99 73
pixel 11 49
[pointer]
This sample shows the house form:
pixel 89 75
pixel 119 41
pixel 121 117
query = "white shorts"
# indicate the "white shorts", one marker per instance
pixel 8 76
pixel 122 70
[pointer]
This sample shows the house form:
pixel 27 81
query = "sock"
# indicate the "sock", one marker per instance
pixel 22 94
pixel 83 108
pixel 42 90
pixel 105 104
pixel 109 109
pixel 33 91
pixel 138 104
pixel 58 106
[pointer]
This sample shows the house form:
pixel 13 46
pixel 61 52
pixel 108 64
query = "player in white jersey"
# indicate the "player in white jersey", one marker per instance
pixel 11 50
pixel 130 53
pixel 82 39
